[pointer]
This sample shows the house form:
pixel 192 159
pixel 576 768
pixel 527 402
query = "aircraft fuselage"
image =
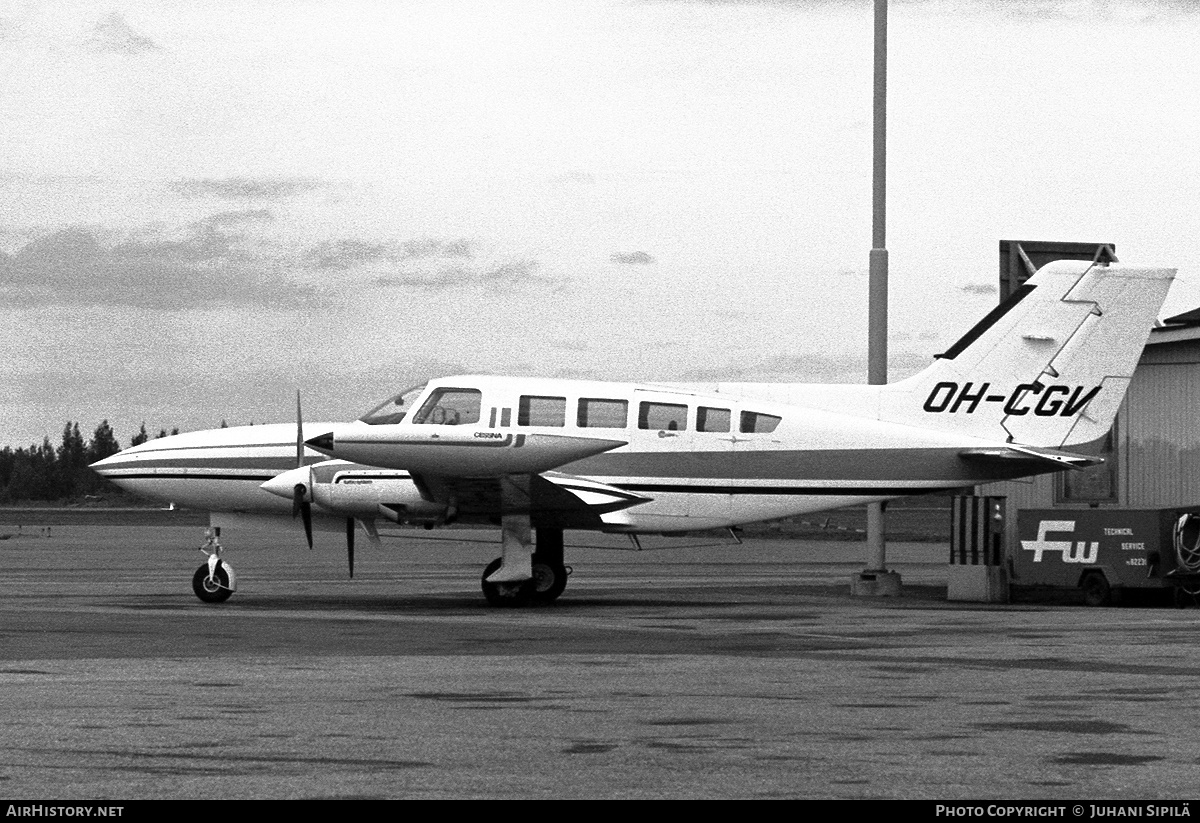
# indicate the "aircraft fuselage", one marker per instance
pixel 702 459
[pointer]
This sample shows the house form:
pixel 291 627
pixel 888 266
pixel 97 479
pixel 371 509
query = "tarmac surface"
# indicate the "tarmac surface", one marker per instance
pixel 725 672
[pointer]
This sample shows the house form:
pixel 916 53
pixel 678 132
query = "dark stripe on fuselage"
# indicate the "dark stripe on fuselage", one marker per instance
pixel 944 465
pixel 660 488
pixel 275 464
pixel 832 464
pixel 816 491
pixel 193 474
pixel 291 447
pixel 482 442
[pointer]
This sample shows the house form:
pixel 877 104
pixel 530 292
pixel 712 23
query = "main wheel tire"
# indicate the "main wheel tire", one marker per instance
pixel 549 580
pixel 510 595
pixel 209 590
pixel 1096 591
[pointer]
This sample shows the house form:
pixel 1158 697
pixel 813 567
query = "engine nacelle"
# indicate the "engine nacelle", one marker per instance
pixel 353 490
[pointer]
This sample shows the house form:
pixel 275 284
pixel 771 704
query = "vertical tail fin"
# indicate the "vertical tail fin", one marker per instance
pixel 1048 367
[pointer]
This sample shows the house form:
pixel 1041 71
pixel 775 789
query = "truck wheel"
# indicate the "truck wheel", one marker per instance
pixel 1096 591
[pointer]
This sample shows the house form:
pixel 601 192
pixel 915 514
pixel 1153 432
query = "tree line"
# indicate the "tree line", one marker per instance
pixel 49 472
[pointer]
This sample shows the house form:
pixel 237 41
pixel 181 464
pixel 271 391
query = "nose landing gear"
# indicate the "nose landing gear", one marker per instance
pixel 215 580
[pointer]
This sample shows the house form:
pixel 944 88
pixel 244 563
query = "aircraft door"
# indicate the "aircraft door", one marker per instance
pixel 691 452
pixel 713 444
pixel 755 466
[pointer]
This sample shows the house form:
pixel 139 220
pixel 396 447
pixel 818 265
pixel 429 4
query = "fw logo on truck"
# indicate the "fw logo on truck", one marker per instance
pixel 1079 552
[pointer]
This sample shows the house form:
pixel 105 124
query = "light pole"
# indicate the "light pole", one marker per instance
pixel 875 579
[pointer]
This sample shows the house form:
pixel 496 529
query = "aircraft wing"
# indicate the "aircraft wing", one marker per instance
pixel 1014 454
pixel 457 452
pixel 551 498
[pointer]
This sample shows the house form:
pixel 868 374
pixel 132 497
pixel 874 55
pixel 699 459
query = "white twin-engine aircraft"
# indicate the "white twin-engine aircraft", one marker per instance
pixel 1044 371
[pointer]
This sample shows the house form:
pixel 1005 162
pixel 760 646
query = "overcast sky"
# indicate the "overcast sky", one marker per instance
pixel 205 206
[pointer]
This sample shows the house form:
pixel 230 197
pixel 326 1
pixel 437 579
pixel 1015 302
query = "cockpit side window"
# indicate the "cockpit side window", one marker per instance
pixel 394 409
pixel 451 407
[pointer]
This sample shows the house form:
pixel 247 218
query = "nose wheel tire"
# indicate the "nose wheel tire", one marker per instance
pixel 213 589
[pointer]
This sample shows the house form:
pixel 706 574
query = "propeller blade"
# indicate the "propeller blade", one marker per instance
pixel 306 516
pixel 350 543
pixel 302 507
pixel 299 434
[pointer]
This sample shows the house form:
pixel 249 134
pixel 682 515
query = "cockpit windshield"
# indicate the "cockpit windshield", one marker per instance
pixel 393 409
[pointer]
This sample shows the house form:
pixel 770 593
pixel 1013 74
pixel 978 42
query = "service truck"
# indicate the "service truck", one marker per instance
pixel 1104 552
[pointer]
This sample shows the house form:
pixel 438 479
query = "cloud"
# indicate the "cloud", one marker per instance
pixel 979 288
pixel 516 273
pixel 633 258
pixel 430 263
pixel 506 275
pixel 200 266
pixel 113 35
pixel 246 188
pixel 238 218
pixel 340 255
pixel 785 367
pixel 430 247
pixel 805 367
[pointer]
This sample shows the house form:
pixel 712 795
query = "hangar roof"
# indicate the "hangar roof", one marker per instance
pixel 1177 329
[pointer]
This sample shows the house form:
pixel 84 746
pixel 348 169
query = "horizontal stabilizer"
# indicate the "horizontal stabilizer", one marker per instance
pixel 1047 459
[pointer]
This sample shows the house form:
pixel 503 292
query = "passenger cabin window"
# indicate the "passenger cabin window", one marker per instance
pixel 669 416
pixel 709 419
pixel 542 411
pixel 451 407
pixel 758 423
pixel 600 413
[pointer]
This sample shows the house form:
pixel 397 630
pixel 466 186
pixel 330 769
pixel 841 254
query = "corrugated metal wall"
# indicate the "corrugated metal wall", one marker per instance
pixel 1161 438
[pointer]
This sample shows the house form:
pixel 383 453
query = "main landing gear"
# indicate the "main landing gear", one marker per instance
pixel 547 578
pixel 215 580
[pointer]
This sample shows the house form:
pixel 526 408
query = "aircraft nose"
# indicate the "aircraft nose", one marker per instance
pixel 109 464
pixel 284 485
